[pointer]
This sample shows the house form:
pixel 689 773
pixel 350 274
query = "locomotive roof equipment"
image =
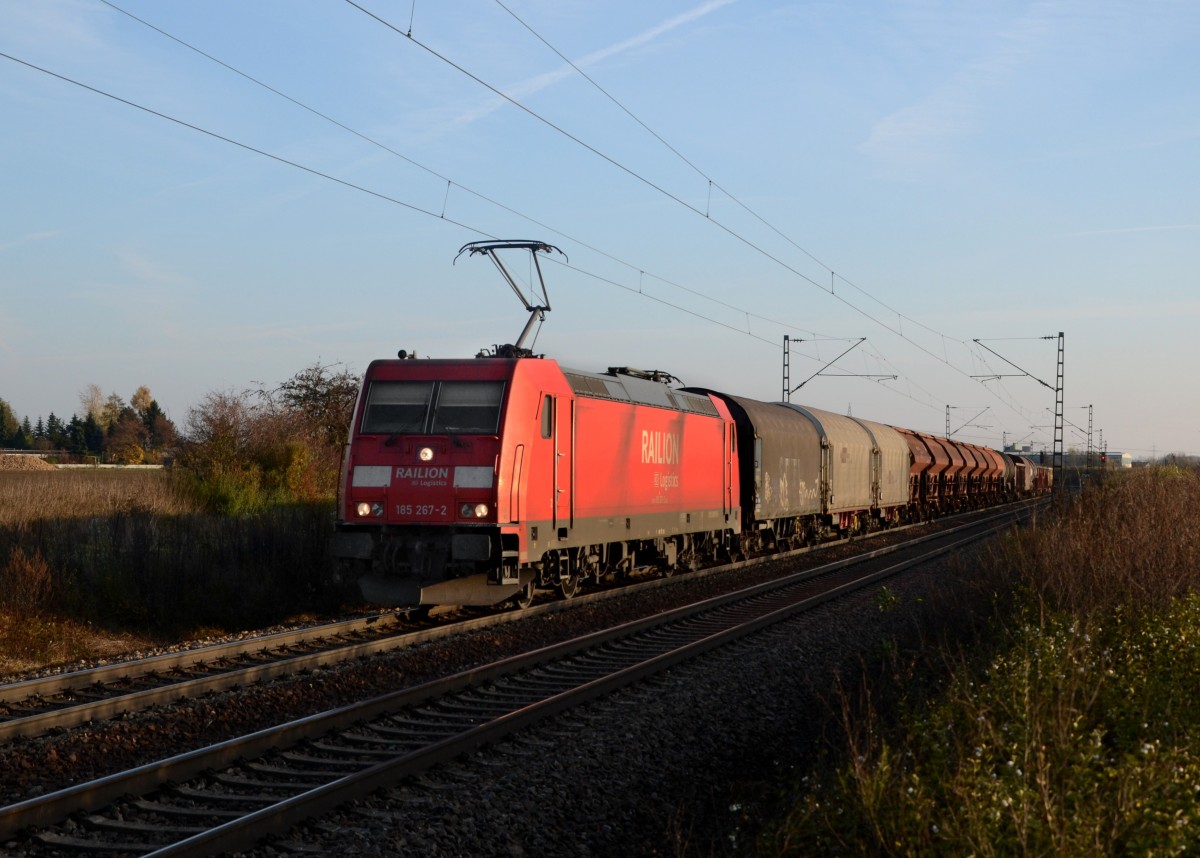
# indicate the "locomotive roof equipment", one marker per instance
pixel 537 311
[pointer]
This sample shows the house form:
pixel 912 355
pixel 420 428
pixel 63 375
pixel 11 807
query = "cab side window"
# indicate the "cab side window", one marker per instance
pixel 547 417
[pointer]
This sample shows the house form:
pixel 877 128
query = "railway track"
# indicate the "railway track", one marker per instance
pixel 62 701
pixel 35 706
pixel 244 789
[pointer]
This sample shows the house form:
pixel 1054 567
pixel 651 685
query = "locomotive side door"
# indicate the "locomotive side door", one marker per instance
pixel 730 443
pixel 563 418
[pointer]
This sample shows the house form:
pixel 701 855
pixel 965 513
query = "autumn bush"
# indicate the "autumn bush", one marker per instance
pixel 26 584
pixel 247 451
pixel 1069 730
pixel 1131 545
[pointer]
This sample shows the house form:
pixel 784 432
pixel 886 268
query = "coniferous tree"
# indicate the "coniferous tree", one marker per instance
pixel 24 437
pixel 162 434
pixel 93 436
pixel 56 432
pixel 76 438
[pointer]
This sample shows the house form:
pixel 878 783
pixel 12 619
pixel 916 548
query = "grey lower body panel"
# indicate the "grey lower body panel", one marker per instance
pixel 467 590
pixel 621 528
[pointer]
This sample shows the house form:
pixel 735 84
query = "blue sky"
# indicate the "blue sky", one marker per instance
pixel 919 174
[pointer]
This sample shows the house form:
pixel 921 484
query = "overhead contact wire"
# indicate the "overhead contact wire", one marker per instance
pixel 609 159
pixel 712 183
pixel 449 181
pixel 634 174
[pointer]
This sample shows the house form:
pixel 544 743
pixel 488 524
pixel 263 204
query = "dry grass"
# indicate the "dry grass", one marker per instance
pixel 1133 544
pixel 89 557
pixel 39 495
pixel 32 642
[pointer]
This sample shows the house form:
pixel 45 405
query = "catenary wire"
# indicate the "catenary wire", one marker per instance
pixel 896 330
pixel 413 207
pixel 357 187
pixel 410 206
pixel 449 181
pixel 711 181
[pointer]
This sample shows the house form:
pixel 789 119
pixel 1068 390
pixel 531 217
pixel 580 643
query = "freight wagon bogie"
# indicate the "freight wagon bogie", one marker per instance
pixel 784 534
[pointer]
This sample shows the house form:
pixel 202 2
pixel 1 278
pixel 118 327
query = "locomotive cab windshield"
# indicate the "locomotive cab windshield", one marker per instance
pixel 398 408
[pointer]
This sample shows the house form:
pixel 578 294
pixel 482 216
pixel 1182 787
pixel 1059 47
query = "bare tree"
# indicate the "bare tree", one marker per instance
pixel 91 400
pixel 219 433
pixel 323 401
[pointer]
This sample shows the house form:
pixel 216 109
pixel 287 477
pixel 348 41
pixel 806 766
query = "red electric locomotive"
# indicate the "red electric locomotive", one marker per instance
pixel 471 481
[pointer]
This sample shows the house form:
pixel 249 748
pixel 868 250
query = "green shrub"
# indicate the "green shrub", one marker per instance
pixel 1070 742
pixel 1074 733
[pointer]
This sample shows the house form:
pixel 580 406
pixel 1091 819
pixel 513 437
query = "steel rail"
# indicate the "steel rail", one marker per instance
pixel 133 669
pixel 107 700
pixel 244 832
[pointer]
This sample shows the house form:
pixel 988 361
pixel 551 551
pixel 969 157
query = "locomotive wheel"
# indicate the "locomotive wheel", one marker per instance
pixel 568 587
pixel 525 598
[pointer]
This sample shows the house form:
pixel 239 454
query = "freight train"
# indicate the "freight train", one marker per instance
pixel 475 481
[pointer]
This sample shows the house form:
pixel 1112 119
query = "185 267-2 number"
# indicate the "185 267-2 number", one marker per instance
pixel 420 509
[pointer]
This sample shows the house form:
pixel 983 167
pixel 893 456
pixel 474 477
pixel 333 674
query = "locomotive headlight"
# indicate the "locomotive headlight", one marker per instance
pixel 425 454
pixel 479 510
pixel 366 510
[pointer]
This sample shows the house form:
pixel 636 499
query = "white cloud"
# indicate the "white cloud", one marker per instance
pixel 65 26
pixel 1059 36
pixel 27 239
pixel 146 270
pixel 541 82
